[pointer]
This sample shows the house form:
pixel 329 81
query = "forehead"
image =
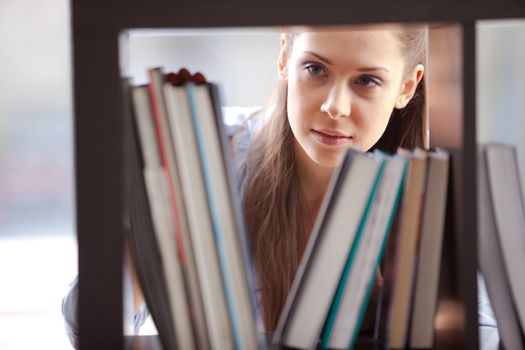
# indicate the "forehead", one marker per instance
pixel 362 44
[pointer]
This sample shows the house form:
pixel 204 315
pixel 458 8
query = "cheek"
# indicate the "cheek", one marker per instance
pixel 302 104
pixel 372 122
pixel 293 106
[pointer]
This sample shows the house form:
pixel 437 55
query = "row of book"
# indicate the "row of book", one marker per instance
pixel 411 203
pixel 370 193
pixel 187 234
pixel 382 226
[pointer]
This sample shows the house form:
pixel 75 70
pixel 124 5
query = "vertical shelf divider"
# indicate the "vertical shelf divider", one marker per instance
pixel 98 134
pixel 468 243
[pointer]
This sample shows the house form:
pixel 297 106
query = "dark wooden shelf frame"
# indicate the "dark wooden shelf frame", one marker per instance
pixel 98 123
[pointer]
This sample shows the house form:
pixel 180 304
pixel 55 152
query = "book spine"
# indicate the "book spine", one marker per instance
pixel 328 327
pixel 166 152
pixel 159 110
pixel 380 255
pixel 235 202
pixel 399 317
pixel 214 212
pixel 199 217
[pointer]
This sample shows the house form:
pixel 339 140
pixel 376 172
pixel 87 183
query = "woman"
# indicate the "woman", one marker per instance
pixel 338 88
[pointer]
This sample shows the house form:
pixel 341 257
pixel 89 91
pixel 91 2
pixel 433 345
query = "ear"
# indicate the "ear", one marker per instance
pixel 408 88
pixel 282 64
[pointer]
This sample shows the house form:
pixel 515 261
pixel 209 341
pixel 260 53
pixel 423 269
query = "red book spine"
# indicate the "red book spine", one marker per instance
pixel 162 143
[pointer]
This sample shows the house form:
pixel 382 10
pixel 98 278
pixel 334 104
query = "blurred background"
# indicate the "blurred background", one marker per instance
pixel 38 254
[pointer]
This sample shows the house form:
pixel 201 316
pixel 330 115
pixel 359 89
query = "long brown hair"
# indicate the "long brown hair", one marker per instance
pixel 277 217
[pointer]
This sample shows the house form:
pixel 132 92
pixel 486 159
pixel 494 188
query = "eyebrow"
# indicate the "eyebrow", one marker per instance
pixel 369 69
pixel 363 69
pixel 324 59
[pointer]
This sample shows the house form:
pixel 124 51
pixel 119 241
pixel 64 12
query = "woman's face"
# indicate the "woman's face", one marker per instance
pixel 342 88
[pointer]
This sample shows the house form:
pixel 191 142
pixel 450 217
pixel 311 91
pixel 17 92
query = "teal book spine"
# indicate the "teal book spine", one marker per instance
pixel 221 250
pixel 327 330
pixel 379 257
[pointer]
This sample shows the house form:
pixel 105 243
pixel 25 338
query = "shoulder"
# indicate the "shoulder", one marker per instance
pixel 69 312
pixel 242 124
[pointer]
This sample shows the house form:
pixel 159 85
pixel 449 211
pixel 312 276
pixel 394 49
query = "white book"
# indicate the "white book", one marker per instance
pixel 357 289
pixel 200 224
pixel 145 126
pixel 509 214
pixel 429 257
pixel 227 233
pixel 327 251
pixel 156 189
pixel 158 201
pixel 491 263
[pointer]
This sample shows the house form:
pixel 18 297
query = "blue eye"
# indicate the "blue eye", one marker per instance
pixel 368 81
pixel 315 69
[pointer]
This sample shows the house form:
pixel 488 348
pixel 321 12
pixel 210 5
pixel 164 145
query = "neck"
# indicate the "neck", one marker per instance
pixel 314 179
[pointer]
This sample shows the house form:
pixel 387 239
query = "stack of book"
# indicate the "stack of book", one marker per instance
pixel 337 275
pixel 187 234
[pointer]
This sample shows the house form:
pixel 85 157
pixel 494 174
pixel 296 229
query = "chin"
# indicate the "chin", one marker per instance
pixel 331 160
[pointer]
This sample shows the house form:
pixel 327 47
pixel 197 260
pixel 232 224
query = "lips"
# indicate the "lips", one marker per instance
pixel 331 137
pixel 330 132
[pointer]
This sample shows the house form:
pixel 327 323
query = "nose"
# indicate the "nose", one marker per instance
pixel 338 102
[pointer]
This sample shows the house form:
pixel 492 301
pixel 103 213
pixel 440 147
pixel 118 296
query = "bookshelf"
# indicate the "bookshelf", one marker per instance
pixel 98 46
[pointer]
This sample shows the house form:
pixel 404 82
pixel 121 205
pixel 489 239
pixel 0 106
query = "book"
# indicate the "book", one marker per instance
pixel 225 226
pixel 343 215
pixel 190 244
pixel 429 257
pixel 492 265
pixel 350 303
pixel 143 244
pixel 200 223
pixel 185 251
pixel 157 193
pixel 509 217
pixel 406 249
